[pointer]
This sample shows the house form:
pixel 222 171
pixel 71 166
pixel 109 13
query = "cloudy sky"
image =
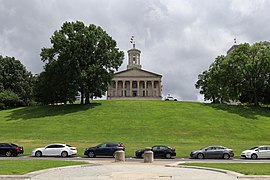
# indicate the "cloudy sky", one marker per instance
pixel 178 38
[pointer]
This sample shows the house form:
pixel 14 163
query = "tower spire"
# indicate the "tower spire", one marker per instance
pixel 132 41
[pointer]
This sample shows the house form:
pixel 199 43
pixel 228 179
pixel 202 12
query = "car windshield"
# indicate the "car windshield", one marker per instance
pixel 253 148
pixel 204 148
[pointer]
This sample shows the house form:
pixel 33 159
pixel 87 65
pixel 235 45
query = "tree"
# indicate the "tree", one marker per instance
pixel 15 79
pixel 85 58
pixel 242 75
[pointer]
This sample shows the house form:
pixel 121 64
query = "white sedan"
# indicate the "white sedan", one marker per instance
pixel 62 150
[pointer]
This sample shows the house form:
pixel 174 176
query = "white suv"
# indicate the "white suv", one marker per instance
pixel 257 152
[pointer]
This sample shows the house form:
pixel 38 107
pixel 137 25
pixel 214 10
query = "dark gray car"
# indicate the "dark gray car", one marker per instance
pixel 213 152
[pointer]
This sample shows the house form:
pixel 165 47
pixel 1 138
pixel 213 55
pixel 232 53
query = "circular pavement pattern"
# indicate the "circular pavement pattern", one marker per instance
pixel 125 171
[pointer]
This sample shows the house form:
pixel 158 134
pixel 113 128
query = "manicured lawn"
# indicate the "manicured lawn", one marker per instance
pixel 184 126
pixel 243 168
pixel 19 167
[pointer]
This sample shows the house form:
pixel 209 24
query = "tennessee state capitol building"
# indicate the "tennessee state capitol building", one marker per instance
pixel 134 82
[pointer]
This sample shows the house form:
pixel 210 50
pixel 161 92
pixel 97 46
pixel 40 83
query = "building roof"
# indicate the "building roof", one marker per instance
pixel 128 71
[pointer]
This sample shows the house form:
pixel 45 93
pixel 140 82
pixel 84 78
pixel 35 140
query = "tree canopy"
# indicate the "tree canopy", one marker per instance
pixel 243 75
pixel 15 83
pixel 82 59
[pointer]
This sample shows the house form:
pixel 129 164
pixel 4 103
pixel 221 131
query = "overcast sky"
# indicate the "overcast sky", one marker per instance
pixel 179 39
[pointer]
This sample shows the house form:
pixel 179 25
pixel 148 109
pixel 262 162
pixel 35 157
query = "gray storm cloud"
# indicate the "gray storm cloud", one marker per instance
pixel 178 38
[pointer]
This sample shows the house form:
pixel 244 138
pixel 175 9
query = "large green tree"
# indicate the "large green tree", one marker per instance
pixel 82 58
pixel 242 75
pixel 15 81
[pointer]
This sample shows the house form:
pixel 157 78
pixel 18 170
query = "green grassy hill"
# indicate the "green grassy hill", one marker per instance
pixel 183 125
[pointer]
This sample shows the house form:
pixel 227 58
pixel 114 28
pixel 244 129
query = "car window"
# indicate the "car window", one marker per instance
pixel 155 148
pixel 111 145
pixel 58 146
pixel 253 148
pixel 6 145
pixel 102 145
pixel 262 148
pixel 163 148
pixel 51 146
pixel 68 145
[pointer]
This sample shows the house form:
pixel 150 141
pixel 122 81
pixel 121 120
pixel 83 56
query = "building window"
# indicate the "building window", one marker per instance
pixel 134 59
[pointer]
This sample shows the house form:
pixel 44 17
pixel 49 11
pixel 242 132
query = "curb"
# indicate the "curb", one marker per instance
pixel 232 173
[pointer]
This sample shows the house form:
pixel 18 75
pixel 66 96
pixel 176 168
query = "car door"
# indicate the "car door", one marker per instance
pixel 156 151
pixel 110 148
pixel 2 149
pixel 262 152
pixel 49 150
pixel 101 149
pixel 218 153
pixel 267 155
pixel 57 150
pixel 209 152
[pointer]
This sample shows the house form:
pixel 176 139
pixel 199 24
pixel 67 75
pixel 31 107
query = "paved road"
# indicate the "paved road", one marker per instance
pixel 130 171
pixel 141 160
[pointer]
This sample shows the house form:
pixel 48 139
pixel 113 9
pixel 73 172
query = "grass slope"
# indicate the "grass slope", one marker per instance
pixel 183 125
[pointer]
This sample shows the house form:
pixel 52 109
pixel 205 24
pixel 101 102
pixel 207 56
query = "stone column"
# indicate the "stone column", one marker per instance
pixel 124 88
pixel 152 88
pixel 138 88
pixel 159 88
pixel 116 88
pixel 145 89
pixel 130 86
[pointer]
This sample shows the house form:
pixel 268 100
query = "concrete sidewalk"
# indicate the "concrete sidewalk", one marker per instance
pixel 103 170
pixel 129 171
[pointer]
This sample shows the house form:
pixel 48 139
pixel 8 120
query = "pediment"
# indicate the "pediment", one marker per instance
pixel 136 73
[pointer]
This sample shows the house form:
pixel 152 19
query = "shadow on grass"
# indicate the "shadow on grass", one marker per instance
pixel 26 113
pixel 250 112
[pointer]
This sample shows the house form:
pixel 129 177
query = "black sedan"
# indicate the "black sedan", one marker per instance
pixel 213 152
pixel 105 149
pixel 159 151
pixel 9 149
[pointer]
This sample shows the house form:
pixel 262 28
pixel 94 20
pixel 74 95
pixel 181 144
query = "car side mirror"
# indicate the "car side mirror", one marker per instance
pixel 257 150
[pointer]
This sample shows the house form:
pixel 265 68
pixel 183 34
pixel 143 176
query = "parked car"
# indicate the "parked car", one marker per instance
pixel 170 98
pixel 159 151
pixel 62 150
pixel 9 149
pixel 213 152
pixel 104 149
pixel 257 152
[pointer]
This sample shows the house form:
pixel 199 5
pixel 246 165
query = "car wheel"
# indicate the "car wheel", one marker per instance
pixel 168 156
pixel 38 154
pixel 226 156
pixel 200 156
pixel 8 154
pixel 114 154
pixel 91 154
pixel 142 155
pixel 254 156
pixel 64 154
